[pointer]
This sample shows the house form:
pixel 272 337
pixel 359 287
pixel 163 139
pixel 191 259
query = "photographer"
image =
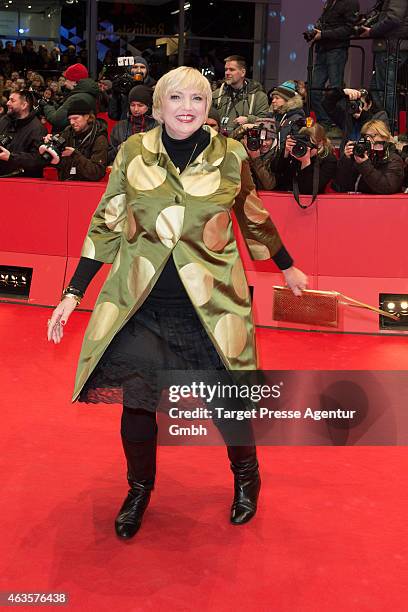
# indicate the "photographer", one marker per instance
pixel 371 165
pixel 82 148
pixel 239 100
pixel 80 88
pixel 286 109
pixel 331 36
pixel 308 163
pixel 260 141
pixel 350 109
pixel 21 133
pixel 392 24
pixel 137 74
pixel 139 119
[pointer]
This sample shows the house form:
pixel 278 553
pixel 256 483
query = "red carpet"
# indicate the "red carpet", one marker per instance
pixel 330 533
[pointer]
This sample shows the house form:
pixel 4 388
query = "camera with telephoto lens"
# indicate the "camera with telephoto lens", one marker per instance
pixel 255 137
pixel 369 19
pixel 303 142
pixel 120 75
pixel 361 147
pixel 56 144
pixel 123 83
pixel 5 141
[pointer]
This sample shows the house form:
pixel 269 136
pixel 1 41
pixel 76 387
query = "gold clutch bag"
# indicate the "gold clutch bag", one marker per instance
pixel 315 307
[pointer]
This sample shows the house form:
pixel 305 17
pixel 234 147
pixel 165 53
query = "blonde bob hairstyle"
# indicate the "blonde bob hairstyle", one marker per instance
pixel 179 79
pixel 375 125
pixel 318 135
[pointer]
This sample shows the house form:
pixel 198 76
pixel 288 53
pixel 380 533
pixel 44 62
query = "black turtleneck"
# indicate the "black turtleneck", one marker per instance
pixel 169 290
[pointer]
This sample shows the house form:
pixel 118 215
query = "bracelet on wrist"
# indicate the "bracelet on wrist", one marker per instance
pixel 73 293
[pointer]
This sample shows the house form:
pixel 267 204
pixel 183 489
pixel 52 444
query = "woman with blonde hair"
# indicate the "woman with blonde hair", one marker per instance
pixel 176 296
pixel 308 162
pixel 372 164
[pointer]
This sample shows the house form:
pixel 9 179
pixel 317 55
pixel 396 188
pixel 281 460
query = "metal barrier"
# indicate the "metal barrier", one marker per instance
pixel 391 51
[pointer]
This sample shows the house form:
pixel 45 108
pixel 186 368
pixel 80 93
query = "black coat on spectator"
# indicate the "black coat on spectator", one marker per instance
pixel 123 129
pixel 289 169
pixel 90 156
pixel 382 178
pixel 27 135
pixel 335 105
pixel 336 23
pixel 392 24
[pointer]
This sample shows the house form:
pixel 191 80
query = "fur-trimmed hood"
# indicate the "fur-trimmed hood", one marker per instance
pixel 294 103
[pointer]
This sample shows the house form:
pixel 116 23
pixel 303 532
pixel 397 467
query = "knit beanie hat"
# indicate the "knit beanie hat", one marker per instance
pixel 80 107
pixel 76 72
pixel 286 91
pixel 141 93
pixel 141 60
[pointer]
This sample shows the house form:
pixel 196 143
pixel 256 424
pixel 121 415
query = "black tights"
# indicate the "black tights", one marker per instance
pixel 139 425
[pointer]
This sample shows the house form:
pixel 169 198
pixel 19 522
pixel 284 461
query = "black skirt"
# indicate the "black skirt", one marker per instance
pixel 155 339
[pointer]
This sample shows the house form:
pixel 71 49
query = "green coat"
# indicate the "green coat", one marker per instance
pixel 149 212
pixel 85 90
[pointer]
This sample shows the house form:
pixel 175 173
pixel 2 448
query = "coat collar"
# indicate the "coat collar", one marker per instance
pixel 154 152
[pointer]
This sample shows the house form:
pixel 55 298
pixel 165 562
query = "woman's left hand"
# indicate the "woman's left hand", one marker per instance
pixel 295 280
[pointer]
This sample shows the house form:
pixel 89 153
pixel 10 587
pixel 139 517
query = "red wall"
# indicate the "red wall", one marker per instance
pixel 348 243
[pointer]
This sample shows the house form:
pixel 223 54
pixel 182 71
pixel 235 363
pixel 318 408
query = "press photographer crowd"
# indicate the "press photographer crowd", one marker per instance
pixel 52 114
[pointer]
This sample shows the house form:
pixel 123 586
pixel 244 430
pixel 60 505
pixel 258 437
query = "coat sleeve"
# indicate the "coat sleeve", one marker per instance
pixel 350 16
pixel 29 159
pixel 102 241
pixel 265 177
pixel 394 16
pixel 58 117
pixel 260 234
pixel 94 168
pixel 386 179
pixel 333 103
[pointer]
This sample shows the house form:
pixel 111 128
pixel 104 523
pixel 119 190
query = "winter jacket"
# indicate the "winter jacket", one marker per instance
pixel 85 89
pixel 251 101
pixel 27 135
pixel 89 160
pixel 289 168
pixel 286 117
pixel 384 178
pixel 336 24
pixel 335 102
pixel 262 171
pixel 123 129
pixel 392 24
pixel 150 212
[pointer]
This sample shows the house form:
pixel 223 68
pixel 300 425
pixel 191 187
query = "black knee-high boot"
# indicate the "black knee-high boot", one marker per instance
pixel 141 464
pixel 247 482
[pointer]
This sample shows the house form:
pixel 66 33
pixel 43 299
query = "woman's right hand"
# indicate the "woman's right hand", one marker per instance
pixel 348 149
pixel 289 144
pixel 59 318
